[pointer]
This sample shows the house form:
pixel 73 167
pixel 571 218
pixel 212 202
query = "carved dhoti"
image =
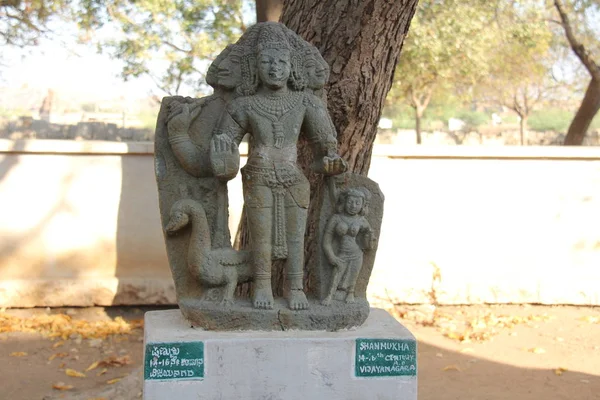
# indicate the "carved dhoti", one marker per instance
pixel 276 188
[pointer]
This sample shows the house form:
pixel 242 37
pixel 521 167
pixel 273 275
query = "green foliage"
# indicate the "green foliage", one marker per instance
pixel 23 23
pixel 447 46
pixel 473 119
pixel 171 41
pixel 555 120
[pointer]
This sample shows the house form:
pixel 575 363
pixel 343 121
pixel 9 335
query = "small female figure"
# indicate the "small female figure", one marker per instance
pixel 350 233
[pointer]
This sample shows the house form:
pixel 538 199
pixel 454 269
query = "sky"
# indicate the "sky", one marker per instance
pixel 75 68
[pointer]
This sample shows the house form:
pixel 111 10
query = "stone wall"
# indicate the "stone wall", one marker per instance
pixel 29 128
pixel 80 225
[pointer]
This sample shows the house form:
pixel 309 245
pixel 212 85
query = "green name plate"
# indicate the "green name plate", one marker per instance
pixel 166 361
pixel 385 357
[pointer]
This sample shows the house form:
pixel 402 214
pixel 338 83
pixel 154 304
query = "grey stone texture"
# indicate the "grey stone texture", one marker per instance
pixel 268 86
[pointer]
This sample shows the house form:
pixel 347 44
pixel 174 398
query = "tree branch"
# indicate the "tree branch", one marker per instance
pixel 578 48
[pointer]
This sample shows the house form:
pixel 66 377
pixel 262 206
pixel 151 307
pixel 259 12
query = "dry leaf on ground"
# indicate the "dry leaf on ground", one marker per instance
pixel 58 344
pixel 110 382
pixel 62 386
pixel 73 373
pixel 18 354
pixel 452 367
pixel 115 361
pixel 536 350
pixel 559 371
pixel 591 319
pixel 57 355
pixel 102 372
pixel 94 365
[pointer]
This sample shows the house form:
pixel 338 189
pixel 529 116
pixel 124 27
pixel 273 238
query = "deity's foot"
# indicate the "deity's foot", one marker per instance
pixel 263 295
pixel 226 302
pixel 350 298
pixel 326 301
pixel 340 295
pixel 297 300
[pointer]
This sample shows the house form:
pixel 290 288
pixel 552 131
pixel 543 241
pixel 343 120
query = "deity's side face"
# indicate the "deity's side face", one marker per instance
pixel 274 67
pixel 316 73
pixel 230 71
pixel 354 204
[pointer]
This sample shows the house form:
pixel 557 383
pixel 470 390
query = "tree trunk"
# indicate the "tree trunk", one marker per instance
pixel 268 10
pixel 522 128
pixel 418 125
pixel 361 42
pixel 583 118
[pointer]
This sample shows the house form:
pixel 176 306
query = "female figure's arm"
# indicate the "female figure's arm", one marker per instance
pixel 369 239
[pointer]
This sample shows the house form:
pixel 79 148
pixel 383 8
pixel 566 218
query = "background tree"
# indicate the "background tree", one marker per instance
pixel 172 42
pixel 576 18
pixel 518 77
pixel 448 47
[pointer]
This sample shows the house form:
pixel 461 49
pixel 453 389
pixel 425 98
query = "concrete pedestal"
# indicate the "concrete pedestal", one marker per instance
pixel 374 361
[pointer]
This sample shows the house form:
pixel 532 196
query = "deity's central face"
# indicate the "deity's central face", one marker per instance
pixel 230 72
pixel 354 204
pixel 274 67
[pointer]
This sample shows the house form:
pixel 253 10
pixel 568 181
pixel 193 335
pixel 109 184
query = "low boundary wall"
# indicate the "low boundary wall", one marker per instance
pixel 79 225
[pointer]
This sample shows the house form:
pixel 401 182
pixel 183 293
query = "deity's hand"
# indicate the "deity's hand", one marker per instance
pixel 180 117
pixel 224 157
pixel 370 239
pixel 337 262
pixel 333 164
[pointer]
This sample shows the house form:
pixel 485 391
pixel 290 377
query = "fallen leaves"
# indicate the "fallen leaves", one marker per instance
pixel 452 367
pixel 537 350
pixel 58 344
pixel 57 355
pixel 18 354
pixel 62 386
pixel 115 361
pixel 559 371
pixel 465 328
pixel 64 327
pixel 592 319
pixel 112 381
pixel 92 366
pixel 74 374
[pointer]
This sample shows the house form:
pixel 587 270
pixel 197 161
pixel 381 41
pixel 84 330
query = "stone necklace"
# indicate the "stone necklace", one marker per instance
pixel 274 108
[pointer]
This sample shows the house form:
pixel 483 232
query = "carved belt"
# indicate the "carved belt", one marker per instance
pixel 281 176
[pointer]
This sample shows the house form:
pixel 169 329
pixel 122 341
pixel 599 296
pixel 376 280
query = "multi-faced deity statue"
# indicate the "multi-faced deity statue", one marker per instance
pixel 268 86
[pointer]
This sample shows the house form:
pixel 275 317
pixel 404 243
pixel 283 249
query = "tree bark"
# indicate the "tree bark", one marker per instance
pixel 585 114
pixel 418 125
pixel 591 101
pixel 268 10
pixel 361 42
pixel 522 128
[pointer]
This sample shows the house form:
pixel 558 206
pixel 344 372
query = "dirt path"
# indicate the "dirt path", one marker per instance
pixel 530 353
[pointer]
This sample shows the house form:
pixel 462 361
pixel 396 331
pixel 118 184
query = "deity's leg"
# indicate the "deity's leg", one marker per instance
pixel 295 228
pixel 353 270
pixel 260 221
pixel 336 275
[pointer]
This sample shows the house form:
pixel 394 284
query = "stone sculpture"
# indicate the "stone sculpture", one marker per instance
pixel 268 85
pixel 352 234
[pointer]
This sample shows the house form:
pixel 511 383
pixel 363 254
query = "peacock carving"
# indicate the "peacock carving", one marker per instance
pixel 219 267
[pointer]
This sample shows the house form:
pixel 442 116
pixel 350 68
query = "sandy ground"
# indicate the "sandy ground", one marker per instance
pixel 542 353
